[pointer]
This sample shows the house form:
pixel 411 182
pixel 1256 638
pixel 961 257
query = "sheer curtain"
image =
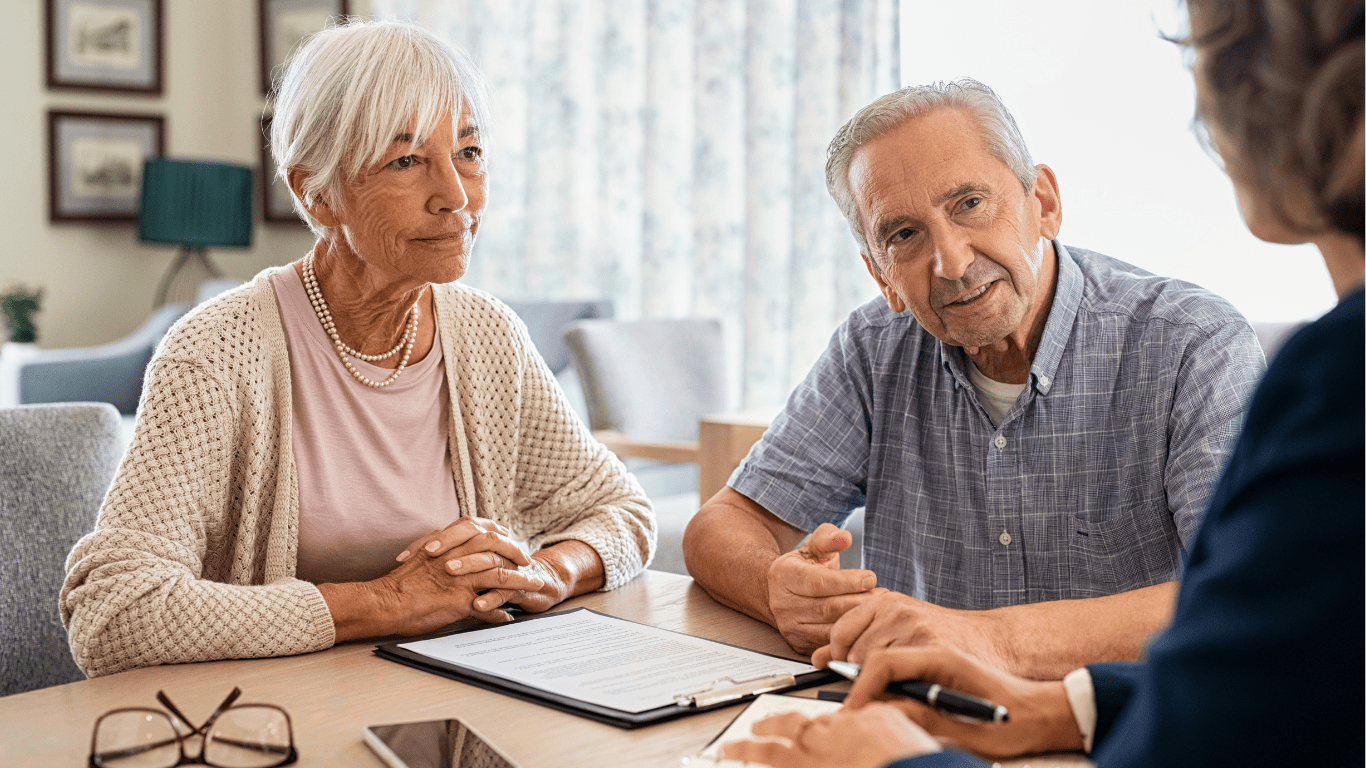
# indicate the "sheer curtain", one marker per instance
pixel 669 155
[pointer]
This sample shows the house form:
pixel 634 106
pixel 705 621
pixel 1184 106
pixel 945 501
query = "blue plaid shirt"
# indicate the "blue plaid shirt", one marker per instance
pixel 1093 483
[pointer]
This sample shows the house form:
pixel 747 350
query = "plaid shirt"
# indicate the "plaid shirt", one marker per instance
pixel 1094 482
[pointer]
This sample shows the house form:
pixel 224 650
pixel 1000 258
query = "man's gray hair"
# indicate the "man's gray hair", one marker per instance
pixel 350 89
pixel 889 112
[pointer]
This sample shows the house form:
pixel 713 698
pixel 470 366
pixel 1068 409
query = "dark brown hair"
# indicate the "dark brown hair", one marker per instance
pixel 1285 84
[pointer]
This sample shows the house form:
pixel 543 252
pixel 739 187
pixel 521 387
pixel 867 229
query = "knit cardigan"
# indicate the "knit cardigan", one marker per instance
pixel 193 555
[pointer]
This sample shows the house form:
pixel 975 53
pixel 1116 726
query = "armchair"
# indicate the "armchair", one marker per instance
pixel 108 373
pixel 647 384
pixel 56 463
pixel 546 321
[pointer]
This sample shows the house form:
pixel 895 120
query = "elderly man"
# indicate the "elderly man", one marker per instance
pixel 1034 441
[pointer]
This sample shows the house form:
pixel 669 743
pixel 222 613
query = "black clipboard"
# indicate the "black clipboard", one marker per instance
pixel 732 696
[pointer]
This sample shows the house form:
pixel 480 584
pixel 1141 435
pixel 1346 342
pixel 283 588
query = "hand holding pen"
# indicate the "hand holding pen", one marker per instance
pixel 945 700
pixel 1039 718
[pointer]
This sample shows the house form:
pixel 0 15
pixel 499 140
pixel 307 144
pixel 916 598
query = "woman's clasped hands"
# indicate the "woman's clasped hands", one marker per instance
pixel 479 559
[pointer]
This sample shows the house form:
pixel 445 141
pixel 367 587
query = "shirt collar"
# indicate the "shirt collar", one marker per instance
pixel 1061 317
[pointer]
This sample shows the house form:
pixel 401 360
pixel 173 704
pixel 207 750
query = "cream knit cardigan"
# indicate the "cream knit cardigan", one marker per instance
pixel 193 555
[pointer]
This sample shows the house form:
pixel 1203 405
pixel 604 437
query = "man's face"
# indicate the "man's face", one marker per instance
pixel 953 235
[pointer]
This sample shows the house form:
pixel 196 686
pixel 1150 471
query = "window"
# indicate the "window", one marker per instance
pixel 1105 102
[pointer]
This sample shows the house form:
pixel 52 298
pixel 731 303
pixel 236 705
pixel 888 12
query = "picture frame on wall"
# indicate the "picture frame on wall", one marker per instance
pixel 276 202
pixel 105 45
pixel 284 23
pixel 95 163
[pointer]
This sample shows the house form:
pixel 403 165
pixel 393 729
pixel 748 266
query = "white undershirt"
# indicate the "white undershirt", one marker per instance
pixel 996 396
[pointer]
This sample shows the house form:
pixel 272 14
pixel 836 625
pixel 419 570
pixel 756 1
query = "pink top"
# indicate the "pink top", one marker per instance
pixel 374 466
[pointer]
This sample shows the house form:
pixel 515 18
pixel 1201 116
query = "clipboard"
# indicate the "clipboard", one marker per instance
pixel 721 693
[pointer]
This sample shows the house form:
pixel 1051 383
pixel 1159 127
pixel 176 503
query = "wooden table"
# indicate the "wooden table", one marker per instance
pixel 333 694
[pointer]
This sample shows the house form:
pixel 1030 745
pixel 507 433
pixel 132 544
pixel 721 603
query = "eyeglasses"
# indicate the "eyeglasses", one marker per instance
pixel 241 736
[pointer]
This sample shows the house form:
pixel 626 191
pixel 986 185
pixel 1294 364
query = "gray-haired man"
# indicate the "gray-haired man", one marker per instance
pixel 1034 441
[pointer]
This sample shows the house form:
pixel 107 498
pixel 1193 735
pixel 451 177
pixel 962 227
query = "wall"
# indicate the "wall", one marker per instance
pixel 98 279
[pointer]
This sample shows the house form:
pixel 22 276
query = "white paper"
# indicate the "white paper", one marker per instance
pixel 765 706
pixel 602 660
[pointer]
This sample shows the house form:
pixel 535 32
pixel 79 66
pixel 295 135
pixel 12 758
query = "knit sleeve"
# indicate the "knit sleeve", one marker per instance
pixel 175 569
pixel 568 485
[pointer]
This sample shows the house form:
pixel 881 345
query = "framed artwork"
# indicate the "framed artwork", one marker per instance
pixel 104 45
pixel 277 203
pixel 95 163
pixel 284 23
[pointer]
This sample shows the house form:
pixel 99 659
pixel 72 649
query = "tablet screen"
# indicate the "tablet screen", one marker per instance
pixel 434 744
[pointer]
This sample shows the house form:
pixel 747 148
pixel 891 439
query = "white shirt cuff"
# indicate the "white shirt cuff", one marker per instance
pixel 1081 694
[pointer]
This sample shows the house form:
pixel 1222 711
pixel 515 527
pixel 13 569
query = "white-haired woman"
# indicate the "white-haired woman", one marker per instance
pixel 304 442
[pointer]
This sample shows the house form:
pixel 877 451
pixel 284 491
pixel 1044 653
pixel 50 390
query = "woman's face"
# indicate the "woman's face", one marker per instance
pixel 416 213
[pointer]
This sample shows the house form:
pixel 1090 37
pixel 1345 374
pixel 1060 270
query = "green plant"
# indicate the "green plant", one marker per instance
pixel 19 307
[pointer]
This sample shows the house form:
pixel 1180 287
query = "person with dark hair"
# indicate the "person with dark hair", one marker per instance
pixel 1262 663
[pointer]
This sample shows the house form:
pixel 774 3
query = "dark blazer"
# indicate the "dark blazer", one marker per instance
pixel 1263 661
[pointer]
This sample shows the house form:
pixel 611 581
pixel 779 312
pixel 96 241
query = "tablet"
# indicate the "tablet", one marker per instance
pixel 434 744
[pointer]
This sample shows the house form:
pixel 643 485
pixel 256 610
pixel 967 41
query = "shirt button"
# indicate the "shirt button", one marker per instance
pixel 1000 442
pixel 1004 539
pixel 1043 380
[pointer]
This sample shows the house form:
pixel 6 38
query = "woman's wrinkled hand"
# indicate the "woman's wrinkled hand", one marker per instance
pixel 870 737
pixel 470 545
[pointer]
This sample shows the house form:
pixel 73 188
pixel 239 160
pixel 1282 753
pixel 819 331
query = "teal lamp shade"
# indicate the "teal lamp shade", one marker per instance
pixel 195 204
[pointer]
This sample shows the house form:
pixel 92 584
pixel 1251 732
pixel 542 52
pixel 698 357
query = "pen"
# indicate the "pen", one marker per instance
pixel 943 699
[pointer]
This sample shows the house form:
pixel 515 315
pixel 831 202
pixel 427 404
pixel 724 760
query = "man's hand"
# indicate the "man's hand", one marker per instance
pixel 892 619
pixel 867 738
pixel 808 593
pixel 1041 719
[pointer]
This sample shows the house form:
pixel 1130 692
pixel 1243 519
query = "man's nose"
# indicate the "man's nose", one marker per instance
pixel 448 194
pixel 952 255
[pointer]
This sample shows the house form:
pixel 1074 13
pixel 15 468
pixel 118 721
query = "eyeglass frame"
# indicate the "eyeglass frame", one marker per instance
pixel 291 756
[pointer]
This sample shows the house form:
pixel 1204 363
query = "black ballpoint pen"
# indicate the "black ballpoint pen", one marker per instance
pixel 945 700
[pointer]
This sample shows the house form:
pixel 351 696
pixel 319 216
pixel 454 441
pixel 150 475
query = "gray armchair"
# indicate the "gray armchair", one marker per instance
pixel 647 384
pixel 56 463
pixel 546 321
pixel 109 373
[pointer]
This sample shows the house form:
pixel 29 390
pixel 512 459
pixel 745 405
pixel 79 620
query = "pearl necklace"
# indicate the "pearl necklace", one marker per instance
pixel 315 297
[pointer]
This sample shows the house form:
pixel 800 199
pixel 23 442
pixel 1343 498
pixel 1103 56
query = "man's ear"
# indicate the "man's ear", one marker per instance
pixel 1050 202
pixel 318 209
pixel 893 298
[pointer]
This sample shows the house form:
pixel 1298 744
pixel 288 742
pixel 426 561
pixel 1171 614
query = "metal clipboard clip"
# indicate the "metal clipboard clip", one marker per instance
pixel 730 688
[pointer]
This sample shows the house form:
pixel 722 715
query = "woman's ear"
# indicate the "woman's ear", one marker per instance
pixel 318 209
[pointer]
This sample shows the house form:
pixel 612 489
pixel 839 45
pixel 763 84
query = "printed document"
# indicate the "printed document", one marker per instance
pixel 604 660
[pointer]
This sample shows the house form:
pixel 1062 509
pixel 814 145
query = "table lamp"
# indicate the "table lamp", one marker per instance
pixel 194 205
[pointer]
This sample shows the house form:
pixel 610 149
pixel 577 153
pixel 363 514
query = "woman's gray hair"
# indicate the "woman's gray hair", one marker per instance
pixel 350 89
pixel 889 112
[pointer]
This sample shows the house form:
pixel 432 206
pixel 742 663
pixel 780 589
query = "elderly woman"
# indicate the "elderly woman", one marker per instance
pixel 1259 665
pixel 304 443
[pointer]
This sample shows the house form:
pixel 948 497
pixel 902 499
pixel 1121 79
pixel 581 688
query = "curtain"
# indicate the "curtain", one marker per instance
pixel 669 155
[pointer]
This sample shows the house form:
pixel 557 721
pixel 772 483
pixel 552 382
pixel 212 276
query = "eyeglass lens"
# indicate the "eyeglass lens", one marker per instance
pixel 247 736
pixel 139 738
